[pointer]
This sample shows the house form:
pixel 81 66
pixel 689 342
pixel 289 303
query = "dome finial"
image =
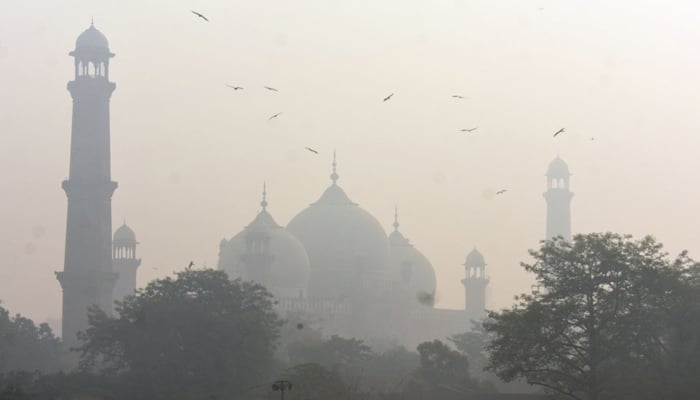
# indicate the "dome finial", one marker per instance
pixel 334 175
pixel 92 22
pixel 396 217
pixel 263 203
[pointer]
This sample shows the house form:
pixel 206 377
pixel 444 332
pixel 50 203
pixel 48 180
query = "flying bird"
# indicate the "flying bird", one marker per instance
pixel 311 150
pixel 275 116
pixel 271 89
pixel 456 96
pixel 191 265
pixel 235 87
pixel 501 191
pixel 470 129
pixel 558 132
pixel 300 326
pixel 387 98
pixel 200 15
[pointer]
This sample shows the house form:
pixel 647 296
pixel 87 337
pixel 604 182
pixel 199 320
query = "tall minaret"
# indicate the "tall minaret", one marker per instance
pixel 124 261
pixel 558 199
pixel 475 283
pixel 87 278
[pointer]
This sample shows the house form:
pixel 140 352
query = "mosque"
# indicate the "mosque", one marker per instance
pixel 333 265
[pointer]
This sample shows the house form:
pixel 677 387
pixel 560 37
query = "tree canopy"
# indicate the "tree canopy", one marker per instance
pixel 27 346
pixel 612 318
pixel 185 337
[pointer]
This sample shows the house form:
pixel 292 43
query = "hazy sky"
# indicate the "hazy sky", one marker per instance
pixel 190 154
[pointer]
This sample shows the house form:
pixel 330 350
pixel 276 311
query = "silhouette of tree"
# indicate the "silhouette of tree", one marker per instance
pixel 26 346
pixel 195 335
pixel 612 318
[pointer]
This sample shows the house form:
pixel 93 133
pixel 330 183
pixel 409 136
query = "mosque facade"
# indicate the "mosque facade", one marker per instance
pixel 334 265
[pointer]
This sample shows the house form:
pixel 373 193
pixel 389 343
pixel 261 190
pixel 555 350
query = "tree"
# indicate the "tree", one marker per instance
pixel 26 346
pixel 198 335
pixel 336 352
pixel 602 322
pixel 473 345
pixel 443 367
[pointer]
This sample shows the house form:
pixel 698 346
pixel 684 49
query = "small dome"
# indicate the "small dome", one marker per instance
pixel 410 267
pixel 558 169
pixel 267 253
pixel 474 259
pixel 92 38
pixel 124 234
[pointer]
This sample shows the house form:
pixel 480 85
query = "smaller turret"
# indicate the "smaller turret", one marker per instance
pixel 475 283
pixel 124 261
pixel 558 197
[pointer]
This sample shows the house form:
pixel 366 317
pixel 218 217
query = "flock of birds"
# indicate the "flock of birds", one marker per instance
pixel 424 297
pixel 385 99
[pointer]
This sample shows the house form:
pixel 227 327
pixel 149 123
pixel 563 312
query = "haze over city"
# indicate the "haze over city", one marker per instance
pixel 191 154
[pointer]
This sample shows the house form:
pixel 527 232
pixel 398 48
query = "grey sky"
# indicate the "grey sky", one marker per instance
pixel 190 154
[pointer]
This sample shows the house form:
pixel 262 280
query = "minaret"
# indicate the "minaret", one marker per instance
pixel 558 199
pixel 87 278
pixel 475 284
pixel 124 261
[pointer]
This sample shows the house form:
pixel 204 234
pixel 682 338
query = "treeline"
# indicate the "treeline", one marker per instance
pixel 610 318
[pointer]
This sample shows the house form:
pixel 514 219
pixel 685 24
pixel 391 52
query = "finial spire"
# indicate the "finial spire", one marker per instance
pixel 396 217
pixel 92 21
pixel 263 203
pixel 334 175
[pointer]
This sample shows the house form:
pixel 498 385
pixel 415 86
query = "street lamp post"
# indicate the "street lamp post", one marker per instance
pixel 281 386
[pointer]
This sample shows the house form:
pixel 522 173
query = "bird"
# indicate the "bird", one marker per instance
pixel 501 191
pixel 311 150
pixel 235 87
pixel 300 326
pixel 387 98
pixel 191 265
pixel 470 129
pixel 200 15
pixel 271 89
pixel 558 132
pixel 456 96
pixel 275 116
pixel 592 138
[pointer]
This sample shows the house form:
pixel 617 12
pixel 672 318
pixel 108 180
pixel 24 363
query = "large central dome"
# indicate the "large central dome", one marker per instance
pixel 347 247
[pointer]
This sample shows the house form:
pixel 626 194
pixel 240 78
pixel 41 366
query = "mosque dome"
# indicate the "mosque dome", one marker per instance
pixel 347 247
pixel 474 259
pixel 558 169
pixel 124 235
pixel 93 38
pixel 268 254
pixel 412 269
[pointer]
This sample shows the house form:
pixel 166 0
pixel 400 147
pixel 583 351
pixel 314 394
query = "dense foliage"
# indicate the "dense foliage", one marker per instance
pixel 198 334
pixel 26 346
pixel 612 318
